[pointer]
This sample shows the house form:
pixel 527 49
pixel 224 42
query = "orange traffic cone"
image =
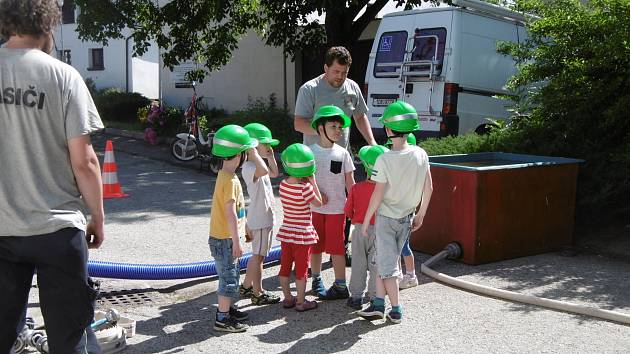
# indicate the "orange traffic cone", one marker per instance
pixel 111 187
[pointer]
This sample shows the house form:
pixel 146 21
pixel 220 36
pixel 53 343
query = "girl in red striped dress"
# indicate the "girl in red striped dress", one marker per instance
pixel 297 235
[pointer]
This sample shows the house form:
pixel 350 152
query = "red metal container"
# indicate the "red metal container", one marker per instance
pixel 499 206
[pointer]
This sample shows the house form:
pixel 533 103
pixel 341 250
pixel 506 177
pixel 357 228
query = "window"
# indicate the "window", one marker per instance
pixel 390 54
pixel 67 12
pixel 96 59
pixel 65 56
pixel 428 43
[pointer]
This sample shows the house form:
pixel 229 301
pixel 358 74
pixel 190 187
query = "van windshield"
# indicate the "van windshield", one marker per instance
pixel 390 54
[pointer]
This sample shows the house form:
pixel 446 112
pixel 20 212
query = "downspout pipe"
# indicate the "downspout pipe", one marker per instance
pixel 127 62
pixel 453 251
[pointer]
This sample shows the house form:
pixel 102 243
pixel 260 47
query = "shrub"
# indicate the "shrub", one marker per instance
pixel 160 120
pixel 113 104
pixel 575 69
pixel 278 120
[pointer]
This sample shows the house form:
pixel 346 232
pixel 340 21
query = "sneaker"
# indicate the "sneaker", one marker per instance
pixel 408 281
pixel 245 292
pixel 288 303
pixel 335 292
pixel 229 324
pixel 305 306
pixel 317 286
pixel 238 315
pixel 355 303
pixel 265 298
pixel 394 316
pixel 373 312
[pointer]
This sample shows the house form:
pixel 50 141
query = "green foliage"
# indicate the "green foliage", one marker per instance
pixel 461 144
pixel 267 112
pixel 574 82
pixel 115 105
pixel 91 85
pixel 208 31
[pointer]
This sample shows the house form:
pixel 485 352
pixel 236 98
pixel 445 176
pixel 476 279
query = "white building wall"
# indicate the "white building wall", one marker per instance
pixel 255 70
pixel 143 71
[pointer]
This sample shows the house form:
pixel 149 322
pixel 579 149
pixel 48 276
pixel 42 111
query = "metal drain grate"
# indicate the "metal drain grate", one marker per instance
pixel 124 298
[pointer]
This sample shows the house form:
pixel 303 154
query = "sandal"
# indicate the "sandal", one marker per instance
pixel 265 298
pixel 288 303
pixel 305 306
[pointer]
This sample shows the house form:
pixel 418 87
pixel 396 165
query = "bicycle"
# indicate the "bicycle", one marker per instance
pixel 192 144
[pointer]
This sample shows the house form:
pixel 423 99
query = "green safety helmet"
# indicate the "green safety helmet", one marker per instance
pixel 330 111
pixel 400 117
pixel 298 160
pixel 411 140
pixel 261 133
pixel 231 140
pixel 368 155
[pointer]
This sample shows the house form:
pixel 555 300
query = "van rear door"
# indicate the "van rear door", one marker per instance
pixel 409 64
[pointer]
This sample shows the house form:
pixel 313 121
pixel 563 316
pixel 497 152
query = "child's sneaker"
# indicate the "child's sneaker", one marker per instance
pixel 335 292
pixel 245 292
pixel 373 312
pixel 265 298
pixel 395 316
pixel 317 286
pixel 408 281
pixel 355 303
pixel 305 306
pixel 238 315
pixel 229 324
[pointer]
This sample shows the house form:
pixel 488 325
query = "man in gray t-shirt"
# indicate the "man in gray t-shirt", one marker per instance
pixel 332 88
pixel 49 174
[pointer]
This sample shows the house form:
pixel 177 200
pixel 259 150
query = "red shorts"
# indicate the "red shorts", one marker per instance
pixel 330 229
pixel 294 253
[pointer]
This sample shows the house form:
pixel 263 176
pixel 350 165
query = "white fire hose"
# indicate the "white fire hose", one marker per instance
pixel 453 251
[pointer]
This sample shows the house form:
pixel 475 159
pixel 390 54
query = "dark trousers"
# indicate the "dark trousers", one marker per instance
pixel 66 299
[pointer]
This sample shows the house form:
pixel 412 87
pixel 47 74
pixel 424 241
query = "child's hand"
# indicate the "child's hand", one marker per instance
pixel 324 198
pixel 251 154
pixel 417 222
pixel 364 229
pixel 237 250
pixel 248 234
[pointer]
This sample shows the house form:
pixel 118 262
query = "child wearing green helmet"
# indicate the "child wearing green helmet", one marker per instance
pixel 334 176
pixel 260 216
pixel 298 193
pixel 227 224
pixel 403 181
pixel 363 248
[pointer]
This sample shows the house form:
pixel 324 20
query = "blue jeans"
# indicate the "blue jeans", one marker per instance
pixel 391 235
pixel 406 251
pixel 227 267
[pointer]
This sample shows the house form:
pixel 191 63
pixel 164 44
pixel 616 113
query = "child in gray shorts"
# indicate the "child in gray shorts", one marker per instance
pixel 403 181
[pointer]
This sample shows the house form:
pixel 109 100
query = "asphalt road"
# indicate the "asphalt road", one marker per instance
pixel 166 220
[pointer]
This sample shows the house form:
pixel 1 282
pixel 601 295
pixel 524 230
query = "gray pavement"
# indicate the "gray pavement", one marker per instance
pixel 166 218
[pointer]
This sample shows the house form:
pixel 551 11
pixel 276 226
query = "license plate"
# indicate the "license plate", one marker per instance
pixel 383 101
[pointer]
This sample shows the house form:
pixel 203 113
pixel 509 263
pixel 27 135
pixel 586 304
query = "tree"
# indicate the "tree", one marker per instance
pixel 208 31
pixel 575 72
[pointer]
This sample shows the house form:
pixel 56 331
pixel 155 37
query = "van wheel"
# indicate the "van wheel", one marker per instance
pixel 485 129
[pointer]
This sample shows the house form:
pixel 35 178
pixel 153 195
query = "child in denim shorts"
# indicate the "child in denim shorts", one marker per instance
pixel 363 248
pixel 403 181
pixel 227 224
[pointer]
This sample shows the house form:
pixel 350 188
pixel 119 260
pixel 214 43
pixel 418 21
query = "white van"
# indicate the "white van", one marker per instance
pixel 444 62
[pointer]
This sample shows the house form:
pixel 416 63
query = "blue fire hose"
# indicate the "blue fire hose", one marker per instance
pixel 166 271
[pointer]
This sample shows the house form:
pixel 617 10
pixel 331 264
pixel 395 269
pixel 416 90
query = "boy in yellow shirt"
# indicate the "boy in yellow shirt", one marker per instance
pixel 227 224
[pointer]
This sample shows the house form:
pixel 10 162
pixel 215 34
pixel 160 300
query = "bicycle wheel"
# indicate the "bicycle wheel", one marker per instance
pixel 184 149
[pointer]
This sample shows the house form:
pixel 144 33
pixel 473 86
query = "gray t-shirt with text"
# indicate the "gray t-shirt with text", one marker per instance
pixel 43 103
pixel 318 92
